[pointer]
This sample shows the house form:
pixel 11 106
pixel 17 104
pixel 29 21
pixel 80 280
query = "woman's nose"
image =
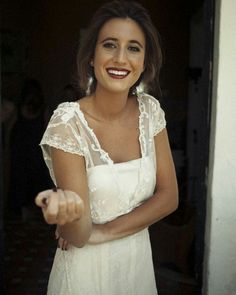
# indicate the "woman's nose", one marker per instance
pixel 120 56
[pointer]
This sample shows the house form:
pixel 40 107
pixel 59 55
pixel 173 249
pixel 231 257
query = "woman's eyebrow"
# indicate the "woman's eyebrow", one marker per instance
pixel 109 39
pixel 137 42
pixel 116 40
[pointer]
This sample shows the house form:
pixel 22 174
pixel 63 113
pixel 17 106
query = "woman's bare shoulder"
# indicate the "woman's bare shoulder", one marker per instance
pixel 85 103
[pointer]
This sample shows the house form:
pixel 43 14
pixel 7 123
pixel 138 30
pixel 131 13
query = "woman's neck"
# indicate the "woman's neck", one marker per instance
pixel 109 106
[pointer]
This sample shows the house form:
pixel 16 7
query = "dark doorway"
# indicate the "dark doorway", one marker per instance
pixel 179 238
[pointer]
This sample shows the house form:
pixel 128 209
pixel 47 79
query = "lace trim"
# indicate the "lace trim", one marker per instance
pixel 142 115
pixel 95 147
pixel 56 142
pixel 70 146
pixel 159 122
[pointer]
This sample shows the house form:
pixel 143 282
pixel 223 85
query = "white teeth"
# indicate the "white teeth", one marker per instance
pixel 118 73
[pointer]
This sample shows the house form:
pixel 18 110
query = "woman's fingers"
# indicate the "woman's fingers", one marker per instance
pixel 60 207
pixel 52 208
pixel 63 244
pixel 62 215
pixel 41 197
pixel 48 201
pixel 56 234
pixel 71 202
pixel 79 205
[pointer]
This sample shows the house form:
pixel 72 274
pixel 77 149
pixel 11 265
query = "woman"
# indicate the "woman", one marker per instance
pixel 110 156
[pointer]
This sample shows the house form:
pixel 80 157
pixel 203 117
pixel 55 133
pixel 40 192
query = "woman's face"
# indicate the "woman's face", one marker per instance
pixel 119 55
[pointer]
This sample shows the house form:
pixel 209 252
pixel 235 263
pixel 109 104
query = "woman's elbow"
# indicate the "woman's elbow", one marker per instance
pixel 170 201
pixel 174 203
pixel 83 238
pixel 81 235
pixel 82 242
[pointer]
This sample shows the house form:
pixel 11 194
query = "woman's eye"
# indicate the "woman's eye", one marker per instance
pixel 134 48
pixel 109 45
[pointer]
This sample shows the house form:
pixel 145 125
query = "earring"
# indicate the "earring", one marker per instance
pixel 89 84
pixel 140 89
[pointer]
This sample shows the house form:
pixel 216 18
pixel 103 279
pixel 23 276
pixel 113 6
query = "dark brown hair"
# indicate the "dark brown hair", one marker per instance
pixel 153 55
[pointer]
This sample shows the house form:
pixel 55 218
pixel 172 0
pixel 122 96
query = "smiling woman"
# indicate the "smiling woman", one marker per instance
pixel 153 54
pixel 109 154
pixel 118 60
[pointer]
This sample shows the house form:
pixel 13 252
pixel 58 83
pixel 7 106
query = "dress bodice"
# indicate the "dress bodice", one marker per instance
pixel 117 190
pixel 114 188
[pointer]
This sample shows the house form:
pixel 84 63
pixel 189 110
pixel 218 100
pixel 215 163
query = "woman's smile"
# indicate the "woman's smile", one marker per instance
pixel 116 73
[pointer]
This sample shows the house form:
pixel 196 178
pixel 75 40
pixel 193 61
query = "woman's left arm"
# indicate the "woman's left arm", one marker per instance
pixel 162 203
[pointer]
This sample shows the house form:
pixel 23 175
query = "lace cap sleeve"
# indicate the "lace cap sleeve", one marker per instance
pixel 63 132
pixel 157 115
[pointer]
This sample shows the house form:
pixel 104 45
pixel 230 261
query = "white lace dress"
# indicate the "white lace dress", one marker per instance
pixel 120 267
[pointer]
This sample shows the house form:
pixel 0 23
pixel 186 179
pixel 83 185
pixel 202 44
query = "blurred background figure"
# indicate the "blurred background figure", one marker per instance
pixel 70 92
pixel 28 173
pixel 8 117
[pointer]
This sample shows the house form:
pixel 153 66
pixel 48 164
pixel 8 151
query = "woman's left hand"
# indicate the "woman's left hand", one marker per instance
pixel 98 236
pixel 62 244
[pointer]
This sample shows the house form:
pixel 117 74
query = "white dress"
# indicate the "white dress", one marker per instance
pixel 120 267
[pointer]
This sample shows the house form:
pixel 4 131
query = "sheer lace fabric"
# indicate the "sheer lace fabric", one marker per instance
pixel 123 266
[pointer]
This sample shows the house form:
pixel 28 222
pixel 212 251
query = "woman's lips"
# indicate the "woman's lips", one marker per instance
pixel 118 73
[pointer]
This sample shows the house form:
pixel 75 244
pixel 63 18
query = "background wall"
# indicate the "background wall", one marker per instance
pixel 220 250
pixel 49 33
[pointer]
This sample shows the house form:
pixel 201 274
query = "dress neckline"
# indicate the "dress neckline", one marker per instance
pixel 104 154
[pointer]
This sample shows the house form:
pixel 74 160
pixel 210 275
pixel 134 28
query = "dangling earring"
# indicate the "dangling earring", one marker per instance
pixel 89 84
pixel 140 89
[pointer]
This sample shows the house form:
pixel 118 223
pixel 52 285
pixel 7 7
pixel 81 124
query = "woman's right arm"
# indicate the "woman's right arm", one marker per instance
pixel 71 212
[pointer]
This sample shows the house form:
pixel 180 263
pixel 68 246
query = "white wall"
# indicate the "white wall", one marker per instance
pixel 220 250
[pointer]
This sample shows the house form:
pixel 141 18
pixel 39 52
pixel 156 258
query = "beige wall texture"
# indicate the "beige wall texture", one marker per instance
pixel 220 251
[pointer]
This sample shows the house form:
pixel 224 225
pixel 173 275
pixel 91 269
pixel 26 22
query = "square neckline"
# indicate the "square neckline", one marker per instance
pixel 104 154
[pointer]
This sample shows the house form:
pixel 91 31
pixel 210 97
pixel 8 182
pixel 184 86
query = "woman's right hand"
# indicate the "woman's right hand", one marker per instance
pixel 60 206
